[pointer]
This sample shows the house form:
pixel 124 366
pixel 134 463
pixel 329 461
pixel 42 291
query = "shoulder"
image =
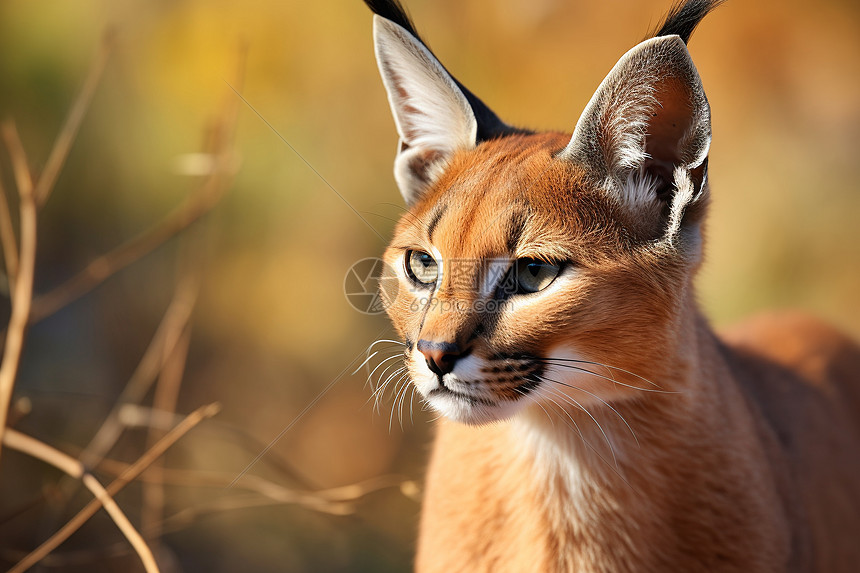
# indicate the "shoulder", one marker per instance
pixel 820 354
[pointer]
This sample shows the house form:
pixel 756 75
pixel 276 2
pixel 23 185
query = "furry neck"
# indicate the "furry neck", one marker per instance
pixel 656 481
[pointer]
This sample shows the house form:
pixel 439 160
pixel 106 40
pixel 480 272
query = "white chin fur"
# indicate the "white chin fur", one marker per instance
pixel 474 405
pixel 466 411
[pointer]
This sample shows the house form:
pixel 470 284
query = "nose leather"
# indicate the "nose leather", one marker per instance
pixel 441 357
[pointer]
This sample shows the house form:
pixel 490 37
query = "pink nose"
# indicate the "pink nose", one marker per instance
pixel 440 356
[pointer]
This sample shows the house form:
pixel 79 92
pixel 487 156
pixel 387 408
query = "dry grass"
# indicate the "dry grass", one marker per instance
pixel 161 367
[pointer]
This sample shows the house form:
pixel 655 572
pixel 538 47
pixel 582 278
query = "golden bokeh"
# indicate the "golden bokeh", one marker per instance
pixel 272 328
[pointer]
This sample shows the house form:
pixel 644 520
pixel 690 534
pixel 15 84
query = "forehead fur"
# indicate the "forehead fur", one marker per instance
pixel 513 197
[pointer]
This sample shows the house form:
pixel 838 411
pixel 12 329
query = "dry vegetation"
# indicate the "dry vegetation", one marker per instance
pixel 131 303
pixel 149 399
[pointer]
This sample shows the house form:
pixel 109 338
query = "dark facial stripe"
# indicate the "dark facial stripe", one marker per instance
pixel 434 221
pixel 516 227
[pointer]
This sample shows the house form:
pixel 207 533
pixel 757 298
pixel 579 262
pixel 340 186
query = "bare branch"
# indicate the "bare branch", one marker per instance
pixel 184 518
pixel 267 488
pixel 23 287
pixel 195 206
pixel 134 416
pixel 166 396
pixel 63 143
pixel 105 266
pixel 127 476
pixel 335 501
pixel 30 446
pixel 20 163
pixel 163 342
pixel 7 238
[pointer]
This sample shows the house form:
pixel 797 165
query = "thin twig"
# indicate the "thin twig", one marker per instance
pixel 7 238
pixel 264 487
pixel 195 206
pixel 218 142
pixel 23 287
pixel 40 450
pixel 134 416
pixel 164 400
pixel 185 517
pixel 128 475
pixel 220 146
pixel 67 135
pixel 105 266
pixel 164 340
pixel 335 501
pixel 73 558
pixel 190 263
pixel 20 163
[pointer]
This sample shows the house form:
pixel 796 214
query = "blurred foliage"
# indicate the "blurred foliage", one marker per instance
pixel 273 328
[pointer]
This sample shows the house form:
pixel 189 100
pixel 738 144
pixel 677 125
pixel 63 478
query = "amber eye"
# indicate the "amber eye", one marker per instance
pixel 421 267
pixel 534 275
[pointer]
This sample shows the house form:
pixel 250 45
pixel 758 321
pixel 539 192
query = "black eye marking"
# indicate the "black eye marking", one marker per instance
pixel 434 221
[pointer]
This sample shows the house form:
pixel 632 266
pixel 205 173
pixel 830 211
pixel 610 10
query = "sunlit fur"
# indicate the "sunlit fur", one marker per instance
pixel 600 424
pixel 614 293
pixel 708 459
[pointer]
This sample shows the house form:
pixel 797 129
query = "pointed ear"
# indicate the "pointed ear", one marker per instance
pixel 433 116
pixel 646 131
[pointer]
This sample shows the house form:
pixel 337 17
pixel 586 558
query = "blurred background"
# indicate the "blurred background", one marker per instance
pixel 271 328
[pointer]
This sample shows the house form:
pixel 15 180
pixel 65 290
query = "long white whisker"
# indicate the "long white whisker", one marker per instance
pixel 382 374
pixel 607 366
pixel 437 418
pixel 532 398
pixel 397 390
pixel 607 404
pixel 377 398
pixel 581 407
pixel 377 393
pixel 569 417
pixel 395 373
pixel 366 360
pixel 393 402
pixel 381 340
pixel 400 408
pixel 591 447
pixel 380 392
pixel 398 355
pixel 613 380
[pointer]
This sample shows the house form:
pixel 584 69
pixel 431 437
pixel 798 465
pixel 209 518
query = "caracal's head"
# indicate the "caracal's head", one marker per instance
pixel 538 268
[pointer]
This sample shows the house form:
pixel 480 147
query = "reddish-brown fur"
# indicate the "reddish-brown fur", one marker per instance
pixel 747 455
pixel 595 422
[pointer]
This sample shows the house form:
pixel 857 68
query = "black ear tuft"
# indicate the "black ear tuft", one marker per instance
pixel 489 124
pixel 393 10
pixel 683 18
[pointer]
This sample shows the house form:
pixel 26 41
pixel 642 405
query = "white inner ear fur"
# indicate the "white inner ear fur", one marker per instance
pixel 639 189
pixel 432 115
pixel 685 196
pixel 612 135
